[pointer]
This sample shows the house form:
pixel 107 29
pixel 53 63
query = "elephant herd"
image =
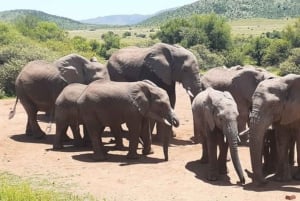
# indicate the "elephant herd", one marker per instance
pixel 137 87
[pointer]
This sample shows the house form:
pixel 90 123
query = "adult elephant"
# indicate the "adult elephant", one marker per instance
pixel 276 102
pixel 241 82
pixel 114 103
pixel 215 117
pixel 39 84
pixel 161 63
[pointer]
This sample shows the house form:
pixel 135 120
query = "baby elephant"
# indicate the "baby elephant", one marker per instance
pixel 215 119
pixel 114 103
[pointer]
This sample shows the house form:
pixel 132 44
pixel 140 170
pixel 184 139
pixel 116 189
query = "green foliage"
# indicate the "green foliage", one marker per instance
pixel 126 34
pixel 81 44
pixel 111 41
pixel 257 49
pixel 171 32
pixel 234 57
pixel 292 33
pixel 206 58
pixel 231 9
pixel 211 30
pixel 292 64
pixel 13 188
pixel 276 52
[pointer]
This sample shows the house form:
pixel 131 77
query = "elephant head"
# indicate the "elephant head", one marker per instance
pixel 274 101
pixel 218 110
pixel 153 102
pixel 173 64
pixel 75 68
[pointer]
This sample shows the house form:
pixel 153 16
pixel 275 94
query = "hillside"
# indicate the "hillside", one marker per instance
pixel 65 23
pixel 232 9
pixel 118 19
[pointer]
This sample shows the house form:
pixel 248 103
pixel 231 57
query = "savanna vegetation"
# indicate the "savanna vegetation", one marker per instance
pixel 210 37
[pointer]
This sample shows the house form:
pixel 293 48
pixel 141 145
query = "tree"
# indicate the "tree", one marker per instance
pixel 171 32
pixel 276 52
pixel 257 49
pixel 292 34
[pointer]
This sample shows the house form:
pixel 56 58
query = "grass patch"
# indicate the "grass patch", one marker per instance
pixel 13 188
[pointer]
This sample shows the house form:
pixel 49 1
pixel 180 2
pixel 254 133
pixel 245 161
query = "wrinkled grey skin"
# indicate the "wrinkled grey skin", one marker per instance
pixel 114 103
pixel 240 82
pixel 39 84
pixel 276 102
pixel 67 114
pixel 215 117
pixel 161 63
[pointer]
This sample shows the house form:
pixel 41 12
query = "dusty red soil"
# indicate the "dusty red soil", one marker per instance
pixel 149 178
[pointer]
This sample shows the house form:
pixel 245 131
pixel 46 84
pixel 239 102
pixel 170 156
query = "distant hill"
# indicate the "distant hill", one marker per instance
pixel 117 19
pixel 62 22
pixel 232 9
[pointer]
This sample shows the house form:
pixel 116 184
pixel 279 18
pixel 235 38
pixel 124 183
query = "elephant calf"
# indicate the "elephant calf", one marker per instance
pixel 114 103
pixel 215 118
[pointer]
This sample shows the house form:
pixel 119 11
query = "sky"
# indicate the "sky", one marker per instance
pixel 86 9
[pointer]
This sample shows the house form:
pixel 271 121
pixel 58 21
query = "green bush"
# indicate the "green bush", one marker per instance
pixel 276 52
pixel 292 64
pixel 206 58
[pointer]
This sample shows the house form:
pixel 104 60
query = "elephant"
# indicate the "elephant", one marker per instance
pixel 240 81
pixel 39 83
pixel 134 103
pixel 215 118
pixel 161 63
pixel 67 114
pixel 276 103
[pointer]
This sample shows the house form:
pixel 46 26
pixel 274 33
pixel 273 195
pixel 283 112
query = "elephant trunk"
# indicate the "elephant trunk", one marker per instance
pixel 231 133
pixel 257 132
pixel 193 88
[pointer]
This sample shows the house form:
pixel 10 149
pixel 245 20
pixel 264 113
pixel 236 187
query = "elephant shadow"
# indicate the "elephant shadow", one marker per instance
pixel 117 158
pixel 30 139
pixel 272 185
pixel 201 170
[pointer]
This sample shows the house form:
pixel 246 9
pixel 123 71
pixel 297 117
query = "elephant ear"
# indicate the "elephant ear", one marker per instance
pixel 140 97
pixel 69 73
pixel 209 113
pixel 290 111
pixel 159 60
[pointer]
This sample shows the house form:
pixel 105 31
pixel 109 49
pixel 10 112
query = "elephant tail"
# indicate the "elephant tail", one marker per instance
pixel 12 111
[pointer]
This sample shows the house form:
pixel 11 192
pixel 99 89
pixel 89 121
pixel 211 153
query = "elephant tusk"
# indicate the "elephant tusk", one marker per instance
pixel 238 138
pixel 167 122
pixel 189 93
pixel 245 132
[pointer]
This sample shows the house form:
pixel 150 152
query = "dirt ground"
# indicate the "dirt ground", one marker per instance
pixel 149 178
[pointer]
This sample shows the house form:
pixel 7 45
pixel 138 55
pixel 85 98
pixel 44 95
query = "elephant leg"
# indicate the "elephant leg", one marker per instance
pixel 283 169
pixel 292 152
pixel 134 128
pixel 269 152
pixel 35 129
pixel 78 141
pixel 223 151
pixel 95 131
pixel 86 137
pixel 297 174
pixel 212 153
pixel 117 133
pixel 204 158
pixel 146 137
pixel 61 129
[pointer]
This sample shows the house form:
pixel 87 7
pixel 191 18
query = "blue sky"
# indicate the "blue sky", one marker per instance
pixel 84 9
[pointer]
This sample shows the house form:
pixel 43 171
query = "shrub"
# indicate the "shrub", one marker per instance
pixel 292 64
pixel 206 58
pixel 276 52
pixel 126 34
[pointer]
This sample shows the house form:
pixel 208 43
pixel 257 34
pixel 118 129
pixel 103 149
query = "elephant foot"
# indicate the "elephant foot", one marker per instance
pixel 148 151
pixel 173 133
pixel 79 143
pixel 268 169
pixel 283 178
pixel 133 156
pixel 100 157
